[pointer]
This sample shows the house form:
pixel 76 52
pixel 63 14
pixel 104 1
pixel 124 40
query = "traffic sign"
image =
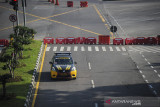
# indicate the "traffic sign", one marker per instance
pixel 113 29
pixel 13 18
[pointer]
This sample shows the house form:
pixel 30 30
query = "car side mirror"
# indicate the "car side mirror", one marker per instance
pixel 75 62
pixel 50 62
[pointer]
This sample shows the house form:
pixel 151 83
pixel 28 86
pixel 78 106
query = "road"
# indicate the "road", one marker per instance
pixel 103 70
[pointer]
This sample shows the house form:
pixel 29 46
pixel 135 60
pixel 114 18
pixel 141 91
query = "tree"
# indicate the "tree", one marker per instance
pixel 22 36
pixel 11 63
pixel 3 79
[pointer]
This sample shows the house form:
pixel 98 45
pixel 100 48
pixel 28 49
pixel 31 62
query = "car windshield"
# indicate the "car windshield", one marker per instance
pixel 63 60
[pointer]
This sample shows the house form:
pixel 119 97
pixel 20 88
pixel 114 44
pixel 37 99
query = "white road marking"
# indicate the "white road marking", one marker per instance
pixel 152 67
pixel 158 75
pixel 103 48
pixel 118 49
pixel 146 81
pixel 96 104
pixel 140 71
pixel 110 48
pixel 141 49
pixel 0 51
pixel 89 48
pixel 138 67
pixel 155 71
pixel 82 48
pixel 143 56
pixel 92 81
pixel 62 48
pixel 93 86
pixel 123 49
pixel 89 64
pixel 48 48
pixel 155 48
pixel 150 86
pixel 148 48
pixel 133 48
pixel 68 48
pixel 149 63
pixel 145 59
pixel 155 92
pixel 55 49
pixel 143 76
pixel 76 48
pixel 96 48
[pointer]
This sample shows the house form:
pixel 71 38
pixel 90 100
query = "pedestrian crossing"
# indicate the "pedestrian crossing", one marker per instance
pixel 86 48
pixel 152 49
pixel 91 48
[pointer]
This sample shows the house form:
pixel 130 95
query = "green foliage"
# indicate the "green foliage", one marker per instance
pixel 4 77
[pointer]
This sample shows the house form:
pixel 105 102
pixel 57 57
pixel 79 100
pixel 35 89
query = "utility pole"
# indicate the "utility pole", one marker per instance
pixel 24 11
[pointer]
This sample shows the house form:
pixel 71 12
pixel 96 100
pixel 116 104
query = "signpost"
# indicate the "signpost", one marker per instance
pixel 13 18
pixel 113 29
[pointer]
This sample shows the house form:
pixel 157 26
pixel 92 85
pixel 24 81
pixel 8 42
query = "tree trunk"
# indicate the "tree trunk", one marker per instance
pixel 4 88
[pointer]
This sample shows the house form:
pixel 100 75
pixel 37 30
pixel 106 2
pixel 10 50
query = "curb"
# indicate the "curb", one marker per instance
pixel 33 81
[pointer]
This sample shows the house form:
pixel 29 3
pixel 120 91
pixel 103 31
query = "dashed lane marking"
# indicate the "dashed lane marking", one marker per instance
pixel 146 81
pixel 150 86
pixel 149 63
pixel 145 59
pixel 155 71
pixel 158 75
pixel 140 71
pixel 152 67
pixel 89 65
pixel 92 82
pixel 143 76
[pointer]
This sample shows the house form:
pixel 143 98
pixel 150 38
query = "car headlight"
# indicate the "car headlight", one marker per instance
pixel 74 68
pixel 53 69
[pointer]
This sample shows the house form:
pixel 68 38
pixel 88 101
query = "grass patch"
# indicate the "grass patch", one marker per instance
pixel 17 91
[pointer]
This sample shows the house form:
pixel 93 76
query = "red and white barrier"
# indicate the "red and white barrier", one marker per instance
pixel 117 41
pixel 60 40
pixel 70 40
pixel 48 40
pixel 91 40
pixel 80 40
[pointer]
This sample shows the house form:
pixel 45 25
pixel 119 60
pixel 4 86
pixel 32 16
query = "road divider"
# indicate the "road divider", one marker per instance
pixel 84 3
pixel 69 3
pixel 117 41
pixel 102 39
pixel 4 42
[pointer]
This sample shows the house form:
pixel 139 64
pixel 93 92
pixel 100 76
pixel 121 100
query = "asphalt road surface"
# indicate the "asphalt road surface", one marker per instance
pixel 103 70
